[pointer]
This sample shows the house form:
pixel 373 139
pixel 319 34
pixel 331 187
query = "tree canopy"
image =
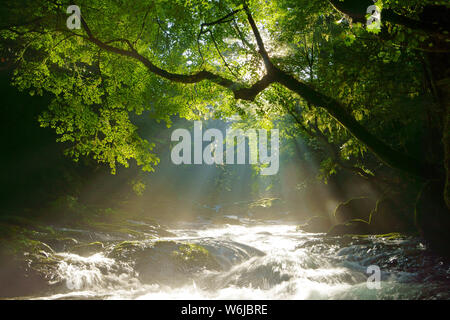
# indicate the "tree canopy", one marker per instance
pixel 312 66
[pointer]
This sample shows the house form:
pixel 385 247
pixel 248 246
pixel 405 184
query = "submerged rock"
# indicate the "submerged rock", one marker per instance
pixel 60 244
pixel 127 250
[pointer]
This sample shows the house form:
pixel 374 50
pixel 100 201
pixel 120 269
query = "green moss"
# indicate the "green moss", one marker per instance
pixel 192 250
pixel 88 249
pixel 165 242
pixel 125 248
pixel 390 236
pixel 17 240
pixel 266 202
pixel 127 245
pixel 190 256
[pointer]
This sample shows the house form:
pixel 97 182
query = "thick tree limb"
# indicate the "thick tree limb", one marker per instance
pixel 240 92
pixel 385 153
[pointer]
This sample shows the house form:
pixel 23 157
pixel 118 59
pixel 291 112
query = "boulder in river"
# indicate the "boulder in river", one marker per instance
pixel 357 208
pixel 355 226
pixel 27 266
pixel 388 216
pixel 88 249
pixel 165 261
pixel 317 224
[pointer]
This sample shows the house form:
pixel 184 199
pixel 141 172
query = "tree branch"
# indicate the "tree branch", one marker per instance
pixel 221 20
pixel 259 41
pixel 224 19
pixel 384 152
pixel 240 92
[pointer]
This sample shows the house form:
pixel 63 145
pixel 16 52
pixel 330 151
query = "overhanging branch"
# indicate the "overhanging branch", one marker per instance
pixel 385 153
pixel 240 92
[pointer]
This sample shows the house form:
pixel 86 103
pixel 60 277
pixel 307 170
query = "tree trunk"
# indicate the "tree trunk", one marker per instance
pixel 440 68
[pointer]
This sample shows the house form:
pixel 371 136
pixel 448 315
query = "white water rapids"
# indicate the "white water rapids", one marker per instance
pixel 268 261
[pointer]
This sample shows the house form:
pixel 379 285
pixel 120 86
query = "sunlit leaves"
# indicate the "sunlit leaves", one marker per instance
pixel 96 92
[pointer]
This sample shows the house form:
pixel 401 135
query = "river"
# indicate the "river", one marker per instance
pixel 269 260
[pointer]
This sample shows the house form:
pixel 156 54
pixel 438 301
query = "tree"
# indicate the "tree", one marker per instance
pixel 175 57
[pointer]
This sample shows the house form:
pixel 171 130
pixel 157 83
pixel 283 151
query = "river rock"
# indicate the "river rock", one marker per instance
pixel 357 208
pixel 317 224
pixel 173 262
pixel 350 227
pixel 88 249
pixel 165 261
pixel 27 267
pixel 389 217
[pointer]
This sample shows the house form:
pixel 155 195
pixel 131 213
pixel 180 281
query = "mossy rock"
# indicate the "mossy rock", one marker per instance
pixel 88 249
pixel 357 208
pixel 391 216
pixel 27 266
pixel 165 261
pixel 61 244
pixel 127 250
pixel 179 257
pixel 192 257
pixel 317 224
pixel 356 226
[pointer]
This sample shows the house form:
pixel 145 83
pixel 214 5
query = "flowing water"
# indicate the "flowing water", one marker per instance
pixel 266 261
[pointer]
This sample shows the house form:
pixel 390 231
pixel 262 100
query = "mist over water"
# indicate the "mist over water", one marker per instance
pixel 266 261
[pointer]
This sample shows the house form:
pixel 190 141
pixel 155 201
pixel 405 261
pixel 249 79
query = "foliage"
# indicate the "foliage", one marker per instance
pixel 137 59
